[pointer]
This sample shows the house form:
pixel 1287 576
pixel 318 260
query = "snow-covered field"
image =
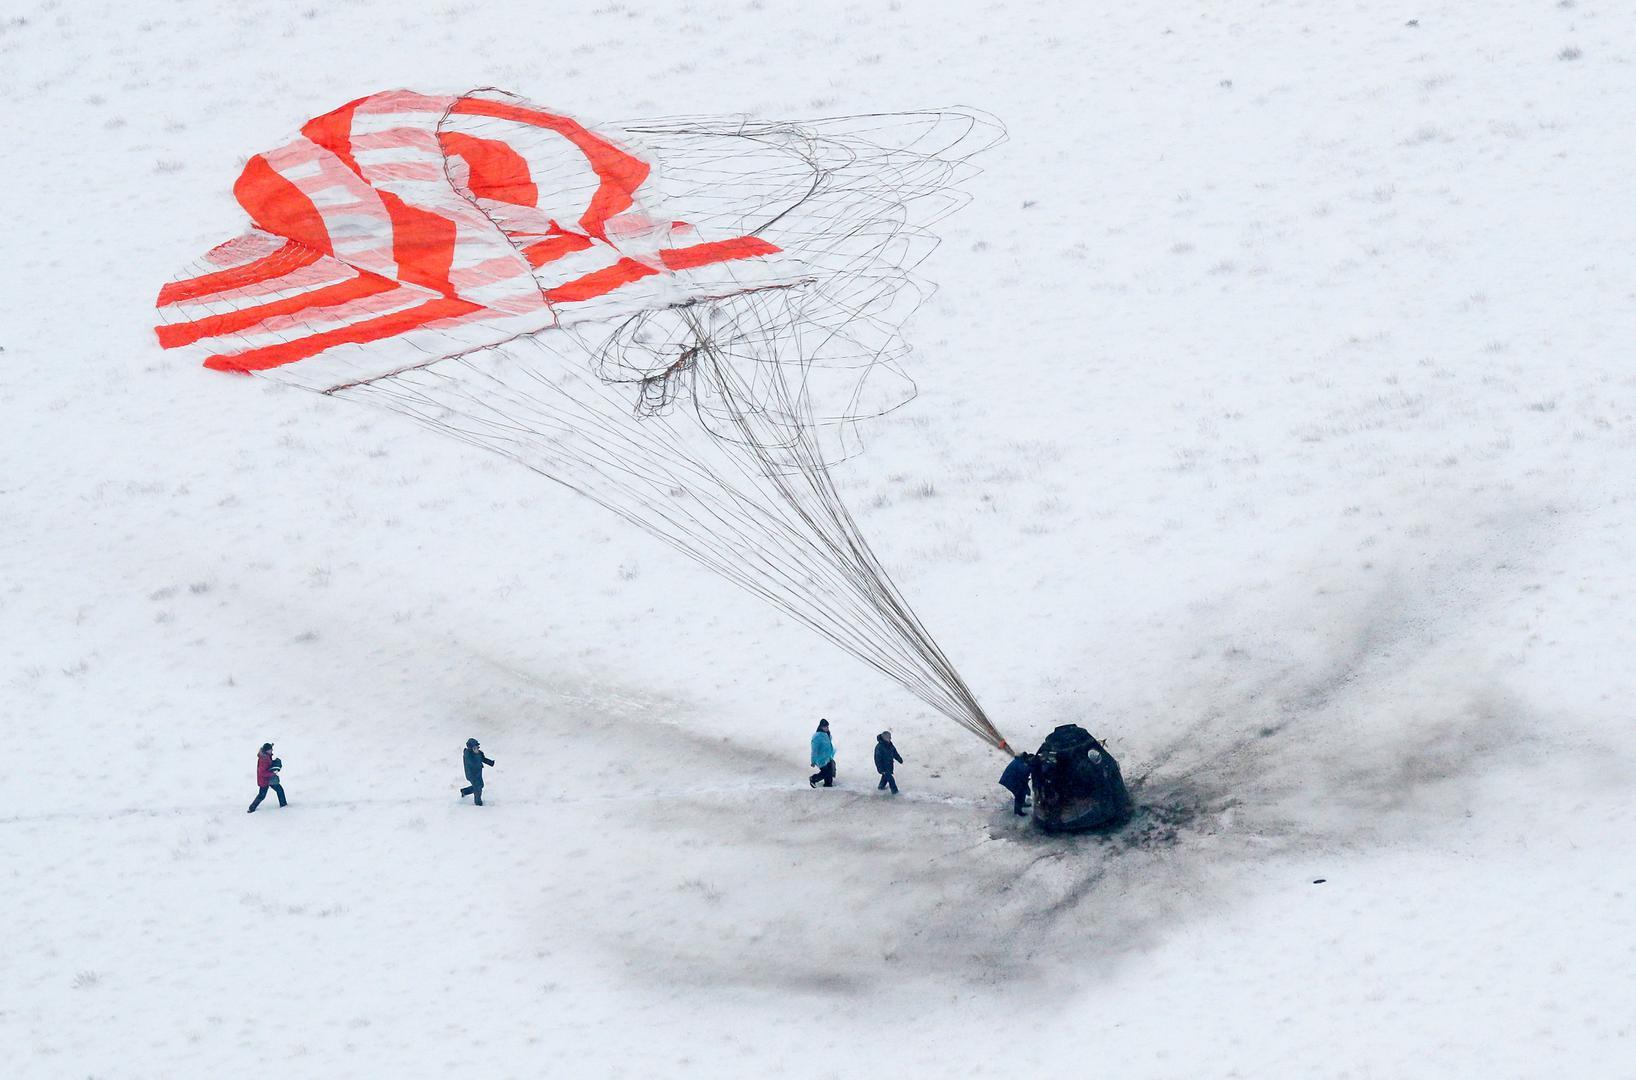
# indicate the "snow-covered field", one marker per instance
pixel 1276 422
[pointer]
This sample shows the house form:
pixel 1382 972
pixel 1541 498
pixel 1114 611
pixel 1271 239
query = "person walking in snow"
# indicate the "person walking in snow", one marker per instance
pixel 474 761
pixel 823 757
pixel 267 769
pixel 1015 780
pixel 885 755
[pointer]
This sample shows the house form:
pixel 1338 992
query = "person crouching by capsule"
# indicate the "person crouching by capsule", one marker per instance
pixel 823 757
pixel 885 755
pixel 1015 780
pixel 267 769
pixel 474 761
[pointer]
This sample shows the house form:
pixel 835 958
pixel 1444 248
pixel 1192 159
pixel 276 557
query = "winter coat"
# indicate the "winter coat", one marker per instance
pixel 1015 777
pixel 265 776
pixel 823 750
pixel 475 761
pixel 885 754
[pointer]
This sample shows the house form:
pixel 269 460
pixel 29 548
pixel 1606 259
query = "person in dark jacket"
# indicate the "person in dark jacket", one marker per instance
pixel 885 755
pixel 267 768
pixel 1015 780
pixel 823 756
pixel 474 762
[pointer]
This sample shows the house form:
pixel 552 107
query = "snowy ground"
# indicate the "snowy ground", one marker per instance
pixel 1276 421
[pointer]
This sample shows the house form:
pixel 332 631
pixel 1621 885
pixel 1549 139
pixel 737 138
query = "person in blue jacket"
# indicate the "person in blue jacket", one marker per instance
pixel 1015 780
pixel 823 757
pixel 885 755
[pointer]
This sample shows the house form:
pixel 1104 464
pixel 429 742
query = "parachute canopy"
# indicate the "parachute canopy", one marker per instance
pixel 404 227
pixel 683 319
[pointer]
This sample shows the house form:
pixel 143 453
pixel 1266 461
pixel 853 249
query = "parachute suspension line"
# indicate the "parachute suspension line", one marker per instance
pixel 810 491
pixel 794 574
pixel 712 422
pixel 789 537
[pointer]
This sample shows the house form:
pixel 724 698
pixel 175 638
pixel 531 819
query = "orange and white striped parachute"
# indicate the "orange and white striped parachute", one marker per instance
pixel 404 227
pixel 682 319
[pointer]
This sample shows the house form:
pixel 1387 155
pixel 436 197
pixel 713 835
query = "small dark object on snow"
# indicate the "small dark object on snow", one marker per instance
pixel 885 755
pixel 1077 784
pixel 1319 880
pixel 267 777
pixel 473 759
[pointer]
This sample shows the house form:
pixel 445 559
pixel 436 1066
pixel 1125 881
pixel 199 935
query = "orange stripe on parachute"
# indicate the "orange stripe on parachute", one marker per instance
pixel 333 131
pixel 618 173
pixel 376 329
pixel 555 247
pixel 178 334
pixel 600 282
pixel 422 244
pixel 278 206
pixel 497 171
pixel 625 271
pixel 285 260
pixel 742 247
pixel 422 240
